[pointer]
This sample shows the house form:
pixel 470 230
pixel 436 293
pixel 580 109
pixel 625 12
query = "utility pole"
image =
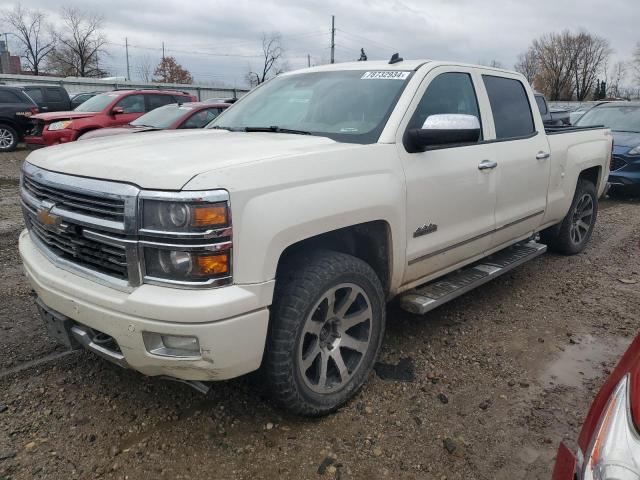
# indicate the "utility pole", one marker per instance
pixel 333 38
pixel 308 60
pixel 163 51
pixel 126 46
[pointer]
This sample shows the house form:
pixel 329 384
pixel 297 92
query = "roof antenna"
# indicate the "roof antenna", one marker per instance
pixel 395 58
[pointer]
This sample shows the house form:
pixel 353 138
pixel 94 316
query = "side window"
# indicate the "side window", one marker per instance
pixel 542 104
pixel 201 118
pixel 9 97
pixel 54 95
pixel 156 101
pixel 510 106
pixel 132 104
pixel 35 94
pixel 447 93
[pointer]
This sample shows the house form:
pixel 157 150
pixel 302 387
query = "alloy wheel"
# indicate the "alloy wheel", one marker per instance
pixel 335 338
pixel 582 219
pixel 6 138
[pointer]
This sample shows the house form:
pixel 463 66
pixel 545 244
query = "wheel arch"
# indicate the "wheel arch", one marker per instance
pixel 371 242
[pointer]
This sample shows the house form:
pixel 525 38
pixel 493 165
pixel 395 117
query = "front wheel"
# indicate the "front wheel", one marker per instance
pixel 327 325
pixel 8 138
pixel 573 234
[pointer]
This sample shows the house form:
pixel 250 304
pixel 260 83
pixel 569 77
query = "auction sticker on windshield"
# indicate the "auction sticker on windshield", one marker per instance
pixel 385 75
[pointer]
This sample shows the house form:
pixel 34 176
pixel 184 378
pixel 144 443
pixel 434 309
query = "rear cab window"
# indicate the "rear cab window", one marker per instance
pixel 510 107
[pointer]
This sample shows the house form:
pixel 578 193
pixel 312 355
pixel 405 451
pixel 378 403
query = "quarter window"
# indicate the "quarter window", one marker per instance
pixel 451 92
pixel 510 106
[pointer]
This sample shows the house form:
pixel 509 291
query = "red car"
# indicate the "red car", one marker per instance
pixel 609 442
pixel 170 117
pixel 110 109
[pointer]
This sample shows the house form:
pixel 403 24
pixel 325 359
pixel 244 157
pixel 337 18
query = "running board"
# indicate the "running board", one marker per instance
pixel 426 297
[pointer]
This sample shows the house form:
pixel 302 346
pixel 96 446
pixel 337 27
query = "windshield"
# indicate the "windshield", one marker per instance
pixel 97 103
pixel 347 106
pixel 619 118
pixel 162 117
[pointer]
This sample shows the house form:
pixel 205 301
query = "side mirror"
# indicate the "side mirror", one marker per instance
pixel 117 110
pixel 443 129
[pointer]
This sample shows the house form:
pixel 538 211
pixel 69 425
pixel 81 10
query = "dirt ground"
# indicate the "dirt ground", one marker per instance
pixel 502 375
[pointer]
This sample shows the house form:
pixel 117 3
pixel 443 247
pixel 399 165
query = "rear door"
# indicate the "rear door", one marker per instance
pixel 155 100
pixel 523 157
pixel 450 200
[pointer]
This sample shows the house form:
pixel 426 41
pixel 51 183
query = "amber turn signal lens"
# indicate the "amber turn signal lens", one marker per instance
pixel 210 216
pixel 212 264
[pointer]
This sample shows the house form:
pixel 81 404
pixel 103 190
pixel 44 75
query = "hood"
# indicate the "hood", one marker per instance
pixel 169 159
pixel 626 139
pixel 53 116
pixel 110 131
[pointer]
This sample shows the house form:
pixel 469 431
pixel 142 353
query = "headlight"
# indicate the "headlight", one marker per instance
pixel 615 450
pixel 186 266
pixel 634 151
pixel 60 125
pixel 183 217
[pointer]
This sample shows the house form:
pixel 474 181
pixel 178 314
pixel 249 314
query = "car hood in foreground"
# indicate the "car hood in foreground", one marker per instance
pixel 169 159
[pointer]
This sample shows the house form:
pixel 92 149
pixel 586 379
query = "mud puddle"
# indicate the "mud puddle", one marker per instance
pixel 584 360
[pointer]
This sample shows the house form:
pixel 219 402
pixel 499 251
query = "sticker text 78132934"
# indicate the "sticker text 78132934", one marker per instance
pixel 385 75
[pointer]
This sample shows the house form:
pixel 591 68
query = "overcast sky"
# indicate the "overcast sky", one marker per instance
pixel 217 40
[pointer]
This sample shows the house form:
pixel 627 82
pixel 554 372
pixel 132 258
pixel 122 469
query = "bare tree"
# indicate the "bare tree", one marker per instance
pixel 80 42
pixel 527 65
pixel 615 79
pixel 556 57
pixel 272 55
pixel 636 62
pixel 33 34
pixel 145 69
pixel 591 55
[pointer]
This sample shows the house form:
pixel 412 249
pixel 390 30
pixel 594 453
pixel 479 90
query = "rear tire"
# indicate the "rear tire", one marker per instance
pixel 8 138
pixel 572 235
pixel 327 325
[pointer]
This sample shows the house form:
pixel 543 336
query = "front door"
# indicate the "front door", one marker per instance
pixel 523 157
pixel 133 106
pixel 450 200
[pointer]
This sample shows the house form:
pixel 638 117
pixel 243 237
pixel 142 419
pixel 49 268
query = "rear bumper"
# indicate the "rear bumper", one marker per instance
pixel 231 340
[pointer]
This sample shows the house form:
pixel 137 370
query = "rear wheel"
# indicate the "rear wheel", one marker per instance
pixel 8 138
pixel 573 234
pixel 327 325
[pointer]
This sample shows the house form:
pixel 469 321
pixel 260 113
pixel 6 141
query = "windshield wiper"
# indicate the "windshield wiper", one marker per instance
pixel 275 129
pixel 220 127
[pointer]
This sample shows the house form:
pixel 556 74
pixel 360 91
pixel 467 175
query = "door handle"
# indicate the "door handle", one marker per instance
pixel 542 155
pixel 487 165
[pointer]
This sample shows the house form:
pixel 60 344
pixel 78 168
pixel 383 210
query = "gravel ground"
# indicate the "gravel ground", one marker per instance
pixel 500 377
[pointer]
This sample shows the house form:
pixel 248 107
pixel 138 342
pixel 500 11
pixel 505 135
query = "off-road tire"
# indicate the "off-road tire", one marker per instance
pixel 9 133
pixel 562 238
pixel 302 283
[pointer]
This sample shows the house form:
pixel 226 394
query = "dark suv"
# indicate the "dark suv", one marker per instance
pixel 49 98
pixel 16 109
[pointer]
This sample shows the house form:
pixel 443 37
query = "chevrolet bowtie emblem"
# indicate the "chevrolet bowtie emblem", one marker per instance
pixel 48 219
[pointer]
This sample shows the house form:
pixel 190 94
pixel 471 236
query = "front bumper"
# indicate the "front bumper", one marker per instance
pixel 229 322
pixel 49 138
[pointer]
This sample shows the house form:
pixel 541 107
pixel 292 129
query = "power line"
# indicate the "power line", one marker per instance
pixel 374 42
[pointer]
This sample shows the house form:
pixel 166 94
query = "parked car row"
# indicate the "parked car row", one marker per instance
pixel 45 115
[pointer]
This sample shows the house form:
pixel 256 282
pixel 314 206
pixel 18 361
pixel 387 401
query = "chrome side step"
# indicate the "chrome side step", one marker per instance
pixel 426 297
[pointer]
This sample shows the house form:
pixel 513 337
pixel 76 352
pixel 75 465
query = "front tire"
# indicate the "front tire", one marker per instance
pixel 572 235
pixel 8 138
pixel 327 325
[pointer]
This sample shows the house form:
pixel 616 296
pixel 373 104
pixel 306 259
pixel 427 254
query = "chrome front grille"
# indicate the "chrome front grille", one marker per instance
pixel 110 208
pixel 70 242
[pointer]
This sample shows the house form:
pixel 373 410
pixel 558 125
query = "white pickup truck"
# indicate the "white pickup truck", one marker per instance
pixel 273 239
